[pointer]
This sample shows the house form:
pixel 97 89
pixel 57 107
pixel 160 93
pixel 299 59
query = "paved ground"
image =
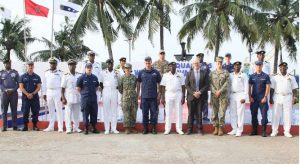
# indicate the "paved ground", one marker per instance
pixel 40 147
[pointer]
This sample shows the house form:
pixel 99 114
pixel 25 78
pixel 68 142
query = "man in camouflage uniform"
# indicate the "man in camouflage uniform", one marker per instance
pixel 219 81
pixel 127 87
pixel 162 64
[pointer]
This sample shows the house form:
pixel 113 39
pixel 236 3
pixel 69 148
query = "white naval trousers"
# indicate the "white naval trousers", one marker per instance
pixel 110 107
pixel 72 112
pixel 54 103
pixel 282 104
pixel 171 105
pixel 237 112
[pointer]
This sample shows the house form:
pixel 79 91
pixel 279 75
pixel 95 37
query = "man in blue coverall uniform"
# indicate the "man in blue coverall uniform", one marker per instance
pixel 30 85
pixel 149 78
pixel 9 84
pixel 87 85
pixel 259 88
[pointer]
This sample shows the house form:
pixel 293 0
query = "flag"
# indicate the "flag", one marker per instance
pixel 5 13
pixel 66 8
pixel 35 9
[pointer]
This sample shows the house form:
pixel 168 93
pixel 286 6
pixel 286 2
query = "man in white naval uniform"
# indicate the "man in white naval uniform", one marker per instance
pixel 283 96
pixel 96 70
pixel 266 65
pixel 173 93
pixel 71 97
pixel 51 89
pixel 121 72
pixel 238 93
pixel 110 79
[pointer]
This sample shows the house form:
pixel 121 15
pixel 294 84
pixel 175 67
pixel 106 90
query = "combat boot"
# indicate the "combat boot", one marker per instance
pixel 127 131
pixel 264 133
pixel 215 131
pixel 254 131
pixel 220 132
pixel 133 130
pixel 145 129
pixel 190 131
pixel 25 128
pixel 154 129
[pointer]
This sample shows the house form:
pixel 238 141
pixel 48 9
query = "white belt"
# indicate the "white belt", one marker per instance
pixel 283 94
pixel 110 87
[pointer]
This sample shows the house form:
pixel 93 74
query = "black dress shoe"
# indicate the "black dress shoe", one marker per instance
pixel 4 130
pixel 86 132
pixel 25 129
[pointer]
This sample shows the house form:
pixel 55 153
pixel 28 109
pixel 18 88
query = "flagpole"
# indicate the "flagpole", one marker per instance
pixel 51 49
pixel 24 19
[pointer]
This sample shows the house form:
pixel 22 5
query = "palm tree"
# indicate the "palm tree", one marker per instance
pixel 106 13
pixel 279 25
pixel 12 38
pixel 155 14
pixel 215 19
pixel 68 46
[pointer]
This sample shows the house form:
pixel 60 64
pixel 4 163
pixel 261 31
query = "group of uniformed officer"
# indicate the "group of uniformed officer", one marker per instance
pixel 157 83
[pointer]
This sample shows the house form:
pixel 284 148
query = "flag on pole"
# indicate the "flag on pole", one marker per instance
pixel 5 13
pixel 66 8
pixel 32 8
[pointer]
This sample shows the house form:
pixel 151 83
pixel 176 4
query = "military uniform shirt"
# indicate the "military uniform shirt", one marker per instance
pixel 161 66
pixel 219 81
pixel 69 83
pixel 110 79
pixel 127 87
pixel 149 80
pixel 9 80
pixel 88 85
pixel 228 67
pixel 173 84
pixel 52 80
pixel 284 85
pixel 30 83
pixel 259 83
pixel 239 83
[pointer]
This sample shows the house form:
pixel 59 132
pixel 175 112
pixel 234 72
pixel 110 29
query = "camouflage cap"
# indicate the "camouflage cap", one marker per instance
pixel 219 59
pixel 127 65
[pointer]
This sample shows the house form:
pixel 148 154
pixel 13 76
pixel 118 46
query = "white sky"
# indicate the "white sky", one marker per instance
pixel 41 27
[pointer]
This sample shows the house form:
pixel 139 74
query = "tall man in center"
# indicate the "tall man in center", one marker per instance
pixel 197 84
pixel 110 79
pixel 149 78
pixel 219 81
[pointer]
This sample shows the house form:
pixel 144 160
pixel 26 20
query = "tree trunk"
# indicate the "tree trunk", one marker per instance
pixel 217 44
pixel 161 26
pixel 276 59
pixel 8 54
pixel 110 53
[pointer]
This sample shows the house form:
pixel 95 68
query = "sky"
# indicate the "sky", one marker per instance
pixel 41 27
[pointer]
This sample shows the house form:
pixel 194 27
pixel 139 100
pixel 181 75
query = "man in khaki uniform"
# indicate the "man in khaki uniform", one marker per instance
pixel 219 81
